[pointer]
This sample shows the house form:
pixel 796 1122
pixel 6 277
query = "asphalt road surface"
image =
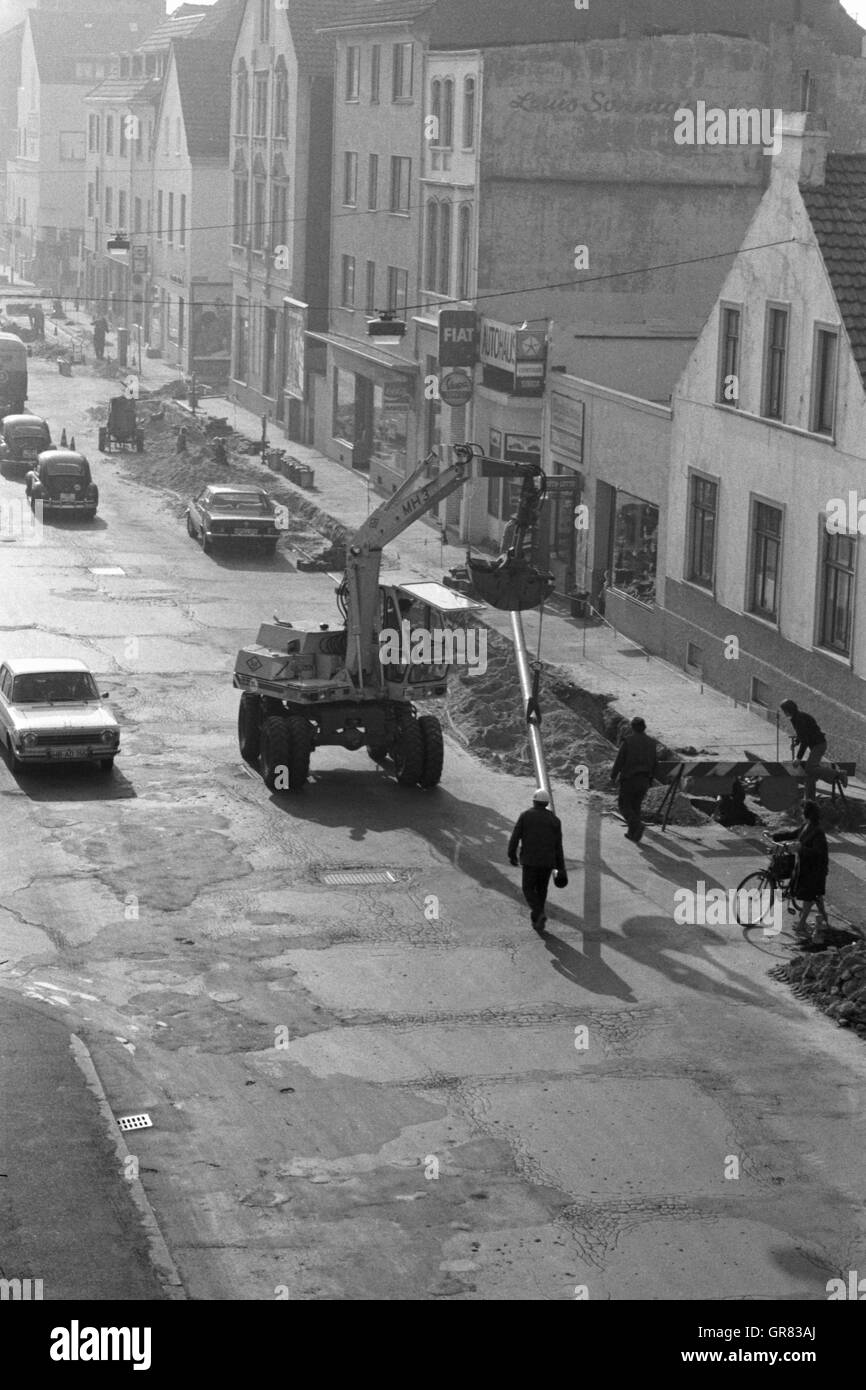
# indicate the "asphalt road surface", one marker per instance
pixel 392 1090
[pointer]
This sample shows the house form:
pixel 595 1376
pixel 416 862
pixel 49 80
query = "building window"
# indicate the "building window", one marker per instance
pixel 443 284
pixel 259 195
pixel 436 109
pixel 260 128
pixel 446 132
pixel 373 183
pixel 635 547
pixel 347 282
pixel 375 72
pixel 766 556
pixel 703 505
pixel 281 103
pixel 353 73
pixel 837 593
pixel 350 179
pixel 728 386
pixel 121 136
pixel 370 296
pixel 239 234
pixel 242 331
pixel 159 215
pixel 431 245
pixel 279 214
pixel 109 201
pixel 121 210
pixel 402 72
pixel 398 289
pixel 774 363
pixel 90 201
pixel 824 381
pixel 181 231
pixel 170 234
pixel 464 263
pixel 109 135
pixel 264 20
pixel 469 113
pixel 181 320
pixel 401 175
pixel 242 102
pixel 136 214
pixel 344 405
pixel 93 133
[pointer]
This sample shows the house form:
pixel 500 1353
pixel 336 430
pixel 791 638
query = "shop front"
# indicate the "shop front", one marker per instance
pixel 373 420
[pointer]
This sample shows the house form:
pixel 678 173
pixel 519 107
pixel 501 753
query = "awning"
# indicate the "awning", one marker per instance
pixel 354 356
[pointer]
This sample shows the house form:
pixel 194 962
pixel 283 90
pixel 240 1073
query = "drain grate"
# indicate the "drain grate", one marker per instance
pixel 135 1122
pixel 344 878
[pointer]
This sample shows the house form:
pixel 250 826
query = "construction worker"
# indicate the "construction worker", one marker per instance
pixel 808 738
pixel 538 835
pixel 635 766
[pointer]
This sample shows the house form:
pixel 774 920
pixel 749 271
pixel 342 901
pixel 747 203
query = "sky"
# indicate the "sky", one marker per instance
pixel 857 8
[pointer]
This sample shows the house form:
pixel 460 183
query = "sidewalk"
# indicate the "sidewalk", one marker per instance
pixel 677 710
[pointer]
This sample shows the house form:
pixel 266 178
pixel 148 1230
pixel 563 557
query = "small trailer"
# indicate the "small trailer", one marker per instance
pixel 122 429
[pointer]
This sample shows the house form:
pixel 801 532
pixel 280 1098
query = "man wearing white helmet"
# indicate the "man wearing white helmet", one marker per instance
pixel 538 834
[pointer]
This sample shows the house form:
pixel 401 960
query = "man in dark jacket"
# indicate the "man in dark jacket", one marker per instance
pixel 635 767
pixel 539 834
pixel 808 738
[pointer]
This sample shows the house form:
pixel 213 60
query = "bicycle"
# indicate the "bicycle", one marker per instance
pixel 756 894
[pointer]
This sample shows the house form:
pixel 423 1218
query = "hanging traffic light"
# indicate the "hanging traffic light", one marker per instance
pixel 387 327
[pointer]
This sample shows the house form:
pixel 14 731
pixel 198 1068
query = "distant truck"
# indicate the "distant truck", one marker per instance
pixel 13 374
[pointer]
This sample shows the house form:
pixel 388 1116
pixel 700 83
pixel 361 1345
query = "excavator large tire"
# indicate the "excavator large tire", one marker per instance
pixel 434 750
pixel 276 749
pixel 409 754
pixel 302 741
pixel 250 728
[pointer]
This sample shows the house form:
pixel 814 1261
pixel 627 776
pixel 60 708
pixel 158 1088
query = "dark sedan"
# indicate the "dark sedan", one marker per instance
pixel 22 439
pixel 61 481
pixel 233 515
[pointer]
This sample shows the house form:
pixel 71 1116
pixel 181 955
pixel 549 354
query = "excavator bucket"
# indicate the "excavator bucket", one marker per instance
pixel 509 582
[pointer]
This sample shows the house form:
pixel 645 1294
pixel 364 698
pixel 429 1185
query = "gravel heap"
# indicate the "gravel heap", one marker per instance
pixel 834 980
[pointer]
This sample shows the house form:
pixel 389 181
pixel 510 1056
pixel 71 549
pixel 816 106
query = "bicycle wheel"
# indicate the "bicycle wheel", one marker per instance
pixel 755 897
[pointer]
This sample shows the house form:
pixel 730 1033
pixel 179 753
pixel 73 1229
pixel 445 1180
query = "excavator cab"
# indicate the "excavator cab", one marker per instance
pixel 423 633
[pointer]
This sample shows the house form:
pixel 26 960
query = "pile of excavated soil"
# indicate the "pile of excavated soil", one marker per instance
pixel 833 980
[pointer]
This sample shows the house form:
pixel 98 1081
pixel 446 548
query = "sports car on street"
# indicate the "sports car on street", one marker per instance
pixel 52 711
pixel 231 515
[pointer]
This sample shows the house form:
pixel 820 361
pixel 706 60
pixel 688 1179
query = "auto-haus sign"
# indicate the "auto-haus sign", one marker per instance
pixel 513 358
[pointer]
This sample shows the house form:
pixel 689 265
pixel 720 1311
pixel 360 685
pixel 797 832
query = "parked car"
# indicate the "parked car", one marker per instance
pixel 52 711
pixel 22 439
pixel 229 515
pixel 61 481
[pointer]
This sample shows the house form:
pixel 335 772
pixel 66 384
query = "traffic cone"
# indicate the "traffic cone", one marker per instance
pixel 72 441
pixel 63 443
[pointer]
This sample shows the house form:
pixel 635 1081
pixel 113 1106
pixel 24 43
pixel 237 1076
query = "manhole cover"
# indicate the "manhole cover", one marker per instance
pixel 347 877
pixel 135 1122
pixel 106 569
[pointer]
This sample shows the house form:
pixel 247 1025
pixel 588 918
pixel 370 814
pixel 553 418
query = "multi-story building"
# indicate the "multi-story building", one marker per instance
pixel 10 77
pixel 63 53
pixel 190 283
pixel 282 89
pixel 765 594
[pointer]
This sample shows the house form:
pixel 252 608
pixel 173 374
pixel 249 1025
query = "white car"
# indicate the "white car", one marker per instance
pixel 52 711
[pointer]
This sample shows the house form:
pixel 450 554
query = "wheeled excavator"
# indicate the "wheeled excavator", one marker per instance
pixel 307 685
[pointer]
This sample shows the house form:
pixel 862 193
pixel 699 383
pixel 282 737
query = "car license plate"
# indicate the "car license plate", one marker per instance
pixel 65 752
pixel 245 530
pixel 28 453
pixel 67 496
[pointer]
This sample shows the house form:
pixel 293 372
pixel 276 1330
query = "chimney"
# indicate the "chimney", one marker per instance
pixel 801 152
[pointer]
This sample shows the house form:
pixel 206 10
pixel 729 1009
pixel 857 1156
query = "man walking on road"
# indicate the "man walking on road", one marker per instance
pixel 539 833
pixel 807 738
pixel 635 767
pixel 100 328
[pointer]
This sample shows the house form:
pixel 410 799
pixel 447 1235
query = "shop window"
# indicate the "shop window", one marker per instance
pixel 344 405
pixel 635 546
pixel 390 426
